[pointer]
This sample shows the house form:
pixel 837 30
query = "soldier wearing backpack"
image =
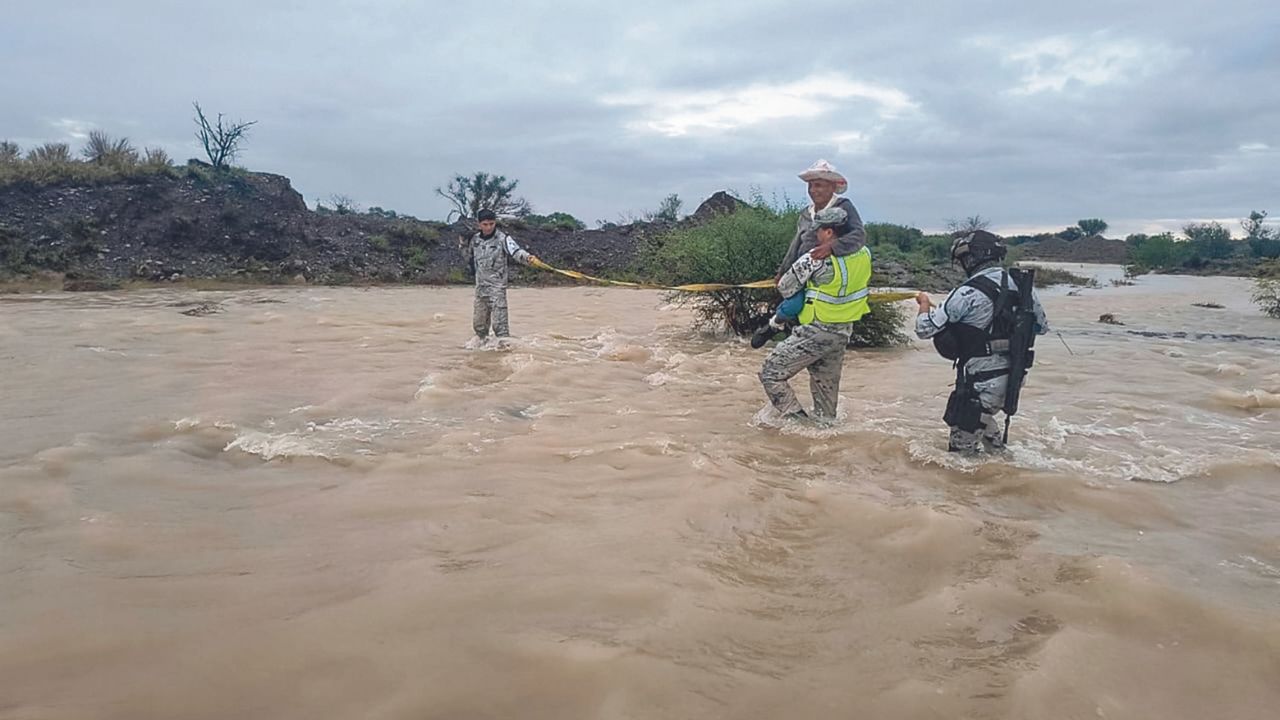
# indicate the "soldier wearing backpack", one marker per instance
pixel 987 327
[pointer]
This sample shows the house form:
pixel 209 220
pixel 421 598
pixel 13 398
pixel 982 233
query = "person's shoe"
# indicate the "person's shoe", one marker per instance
pixel 762 336
pixel 797 415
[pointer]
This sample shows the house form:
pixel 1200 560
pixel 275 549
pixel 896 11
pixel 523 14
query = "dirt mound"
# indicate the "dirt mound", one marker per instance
pixel 196 223
pixel 1093 249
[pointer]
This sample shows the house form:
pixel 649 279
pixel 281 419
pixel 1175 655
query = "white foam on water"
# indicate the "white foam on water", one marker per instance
pixel 518 362
pixel 270 446
pixel 102 350
pixel 489 344
pixel 657 379
pixel 768 417
pixel 427 383
pixel 329 440
pixel 191 423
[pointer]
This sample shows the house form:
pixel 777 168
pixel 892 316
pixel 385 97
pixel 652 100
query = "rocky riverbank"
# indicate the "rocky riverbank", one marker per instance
pixel 194 225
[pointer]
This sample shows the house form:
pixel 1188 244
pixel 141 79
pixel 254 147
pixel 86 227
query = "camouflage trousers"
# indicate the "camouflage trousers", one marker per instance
pixel 990 436
pixel 810 347
pixel 490 308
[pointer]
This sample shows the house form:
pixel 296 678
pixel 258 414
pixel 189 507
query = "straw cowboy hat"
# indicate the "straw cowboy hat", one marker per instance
pixel 823 170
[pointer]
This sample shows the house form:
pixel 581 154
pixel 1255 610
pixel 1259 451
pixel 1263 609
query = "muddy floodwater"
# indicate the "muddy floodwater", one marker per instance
pixel 321 503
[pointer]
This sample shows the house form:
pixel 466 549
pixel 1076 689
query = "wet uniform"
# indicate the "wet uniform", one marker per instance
pixel 490 258
pixel 969 305
pixel 818 344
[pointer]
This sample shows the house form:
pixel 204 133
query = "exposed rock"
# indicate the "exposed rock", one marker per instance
pixel 255 228
pixel 203 309
pixel 720 203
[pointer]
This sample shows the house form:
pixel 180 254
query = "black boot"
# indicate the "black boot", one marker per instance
pixel 763 336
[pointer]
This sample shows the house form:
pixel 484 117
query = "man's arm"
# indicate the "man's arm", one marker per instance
pixel 931 319
pixel 852 241
pixel 521 255
pixel 798 275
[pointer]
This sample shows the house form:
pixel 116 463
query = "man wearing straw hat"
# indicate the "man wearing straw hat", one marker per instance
pixel 825 187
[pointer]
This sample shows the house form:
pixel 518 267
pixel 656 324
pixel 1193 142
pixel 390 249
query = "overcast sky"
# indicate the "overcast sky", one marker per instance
pixel 1146 114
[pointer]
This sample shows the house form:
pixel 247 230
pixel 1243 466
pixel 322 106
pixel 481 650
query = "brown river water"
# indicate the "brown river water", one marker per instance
pixel 320 503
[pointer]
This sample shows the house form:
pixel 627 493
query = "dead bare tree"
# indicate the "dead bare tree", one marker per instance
pixel 343 204
pixel 968 225
pixel 221 140
pixel 483 191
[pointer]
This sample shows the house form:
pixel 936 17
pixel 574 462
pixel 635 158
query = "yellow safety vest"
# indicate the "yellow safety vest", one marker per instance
pixel 844 298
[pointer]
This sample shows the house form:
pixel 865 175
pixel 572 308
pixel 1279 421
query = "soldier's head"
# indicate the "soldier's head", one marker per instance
pixel 831 223
pixel 488 222
pixel 975 250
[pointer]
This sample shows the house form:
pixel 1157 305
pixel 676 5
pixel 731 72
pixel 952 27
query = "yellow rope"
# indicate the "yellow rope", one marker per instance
pixel 876 297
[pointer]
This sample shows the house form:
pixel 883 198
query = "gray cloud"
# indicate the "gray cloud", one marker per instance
pixel 1033 116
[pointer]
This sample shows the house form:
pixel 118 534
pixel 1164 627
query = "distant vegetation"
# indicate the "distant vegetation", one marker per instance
pixel 106 159
pixel 908 245
pixel 1205 245
pixel 1046 276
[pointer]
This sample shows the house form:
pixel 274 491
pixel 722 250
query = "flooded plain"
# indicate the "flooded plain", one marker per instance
pixel 319 502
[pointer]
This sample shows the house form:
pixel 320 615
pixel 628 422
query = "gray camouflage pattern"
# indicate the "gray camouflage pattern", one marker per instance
pixel 492 275
pixel 989 438
pixel 969 305
pixel 819 348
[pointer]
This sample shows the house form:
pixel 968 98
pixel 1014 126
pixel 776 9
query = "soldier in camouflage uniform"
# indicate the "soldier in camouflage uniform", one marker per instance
pixel 984 372
pixel 835 289
pixel 487 253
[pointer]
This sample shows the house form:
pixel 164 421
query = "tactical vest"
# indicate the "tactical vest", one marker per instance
pixel 962 342
pixel 843 299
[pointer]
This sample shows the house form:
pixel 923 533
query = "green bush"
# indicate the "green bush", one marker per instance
pixel 1159 251
pixel 417 258
pixel 103 150
pixel 554 221
pixel 1210 241
pixel 1265 247
pixel 902 237
pixel 156 160
pixel 19 257
pixel 1266 289
pixel 380 242
pixel 882 327
pixel 1046 277
pixel 413 233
